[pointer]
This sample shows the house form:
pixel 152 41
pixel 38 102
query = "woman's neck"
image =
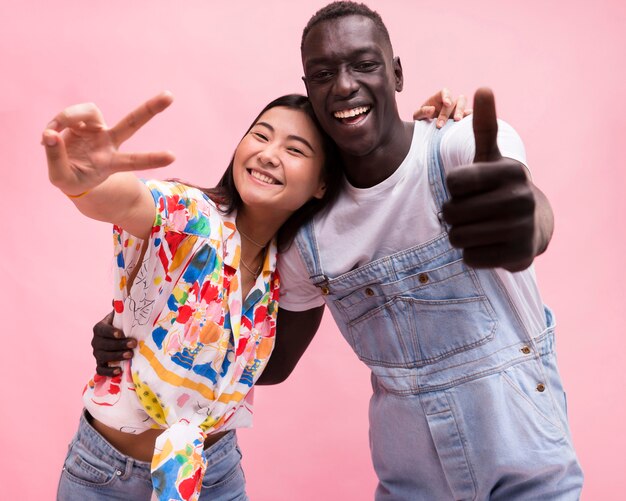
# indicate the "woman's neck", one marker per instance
pixel 257 230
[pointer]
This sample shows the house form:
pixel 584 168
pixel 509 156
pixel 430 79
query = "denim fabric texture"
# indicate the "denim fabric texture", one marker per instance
pixel 95 471
pixel 467 404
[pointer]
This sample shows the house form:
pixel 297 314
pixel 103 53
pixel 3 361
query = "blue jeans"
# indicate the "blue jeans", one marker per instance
pixel 95 470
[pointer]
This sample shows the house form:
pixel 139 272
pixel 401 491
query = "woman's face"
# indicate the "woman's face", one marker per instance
pixel 278 164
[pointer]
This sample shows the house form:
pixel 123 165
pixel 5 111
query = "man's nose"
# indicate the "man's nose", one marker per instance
pixel 345 83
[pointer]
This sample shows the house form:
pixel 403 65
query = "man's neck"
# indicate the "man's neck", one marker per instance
pixel 369 170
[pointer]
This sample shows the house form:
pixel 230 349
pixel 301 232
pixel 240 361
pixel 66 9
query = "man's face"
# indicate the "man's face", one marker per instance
pixel 351 79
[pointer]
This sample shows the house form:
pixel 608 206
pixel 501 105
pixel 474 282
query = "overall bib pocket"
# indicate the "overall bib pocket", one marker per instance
pixel 425 317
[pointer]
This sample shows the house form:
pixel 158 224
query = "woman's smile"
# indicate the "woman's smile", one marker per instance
pixel 263 177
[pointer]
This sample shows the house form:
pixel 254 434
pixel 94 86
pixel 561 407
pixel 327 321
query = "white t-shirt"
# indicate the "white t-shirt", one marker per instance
pixel 396 214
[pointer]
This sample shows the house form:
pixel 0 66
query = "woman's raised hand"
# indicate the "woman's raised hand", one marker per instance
pixel 82 151
pixel 443 106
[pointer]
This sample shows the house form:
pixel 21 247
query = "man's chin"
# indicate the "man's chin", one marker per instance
pixel 354 141
pixel 356 147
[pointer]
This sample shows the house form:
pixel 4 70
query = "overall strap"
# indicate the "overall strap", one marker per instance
pixel 309 251
pixel 436 172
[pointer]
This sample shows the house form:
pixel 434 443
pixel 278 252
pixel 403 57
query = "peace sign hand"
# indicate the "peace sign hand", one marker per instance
pixel 493 205
pixel 82 151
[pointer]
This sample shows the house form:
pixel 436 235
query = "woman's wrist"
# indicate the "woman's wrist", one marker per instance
pixel 76 196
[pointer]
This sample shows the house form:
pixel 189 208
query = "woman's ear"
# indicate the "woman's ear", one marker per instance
pixel 320 191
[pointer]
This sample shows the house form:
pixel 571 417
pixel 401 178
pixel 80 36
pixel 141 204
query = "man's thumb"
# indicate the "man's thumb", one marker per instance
pixel 485 126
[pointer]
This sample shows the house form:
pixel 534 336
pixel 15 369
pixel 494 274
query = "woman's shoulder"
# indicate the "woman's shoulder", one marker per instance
pixel 174 188
pixel 179 192
pixel 174 197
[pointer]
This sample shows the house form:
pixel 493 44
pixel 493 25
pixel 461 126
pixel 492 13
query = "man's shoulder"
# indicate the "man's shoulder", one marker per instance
pixel 451 136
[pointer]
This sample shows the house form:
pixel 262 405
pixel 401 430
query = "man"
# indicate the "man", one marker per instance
pixel 429 282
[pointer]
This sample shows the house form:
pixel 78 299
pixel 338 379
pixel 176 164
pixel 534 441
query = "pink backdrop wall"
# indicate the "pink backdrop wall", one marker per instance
pixel 557 69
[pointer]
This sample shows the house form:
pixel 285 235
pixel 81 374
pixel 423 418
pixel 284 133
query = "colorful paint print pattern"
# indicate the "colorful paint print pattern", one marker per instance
pixel 201 346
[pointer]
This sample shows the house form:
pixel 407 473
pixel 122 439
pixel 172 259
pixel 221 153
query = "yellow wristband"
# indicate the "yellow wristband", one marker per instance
pixel 77 196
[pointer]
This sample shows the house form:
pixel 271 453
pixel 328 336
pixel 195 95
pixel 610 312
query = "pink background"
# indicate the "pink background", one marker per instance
pixel 557 69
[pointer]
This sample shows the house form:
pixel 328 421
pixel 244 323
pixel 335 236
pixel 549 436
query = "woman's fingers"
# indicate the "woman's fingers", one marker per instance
pixel 446 97
pixel 139 161
pixel 56 156
pixel 424 112
pixel 82 152
pixel 439 105
pixel 137 118
pixel 447 104
pixel 87 117
pixel 460 108
pixel 79 116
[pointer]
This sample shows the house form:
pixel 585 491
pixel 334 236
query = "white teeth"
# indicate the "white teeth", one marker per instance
pixel 351 113
pixel 262 177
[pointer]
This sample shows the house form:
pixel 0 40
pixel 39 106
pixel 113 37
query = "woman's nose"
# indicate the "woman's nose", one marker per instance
pixel 269 155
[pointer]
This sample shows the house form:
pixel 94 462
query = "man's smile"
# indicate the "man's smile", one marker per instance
pixel 352 116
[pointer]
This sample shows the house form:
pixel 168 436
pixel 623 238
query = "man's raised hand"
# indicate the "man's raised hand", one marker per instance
pixel 493 207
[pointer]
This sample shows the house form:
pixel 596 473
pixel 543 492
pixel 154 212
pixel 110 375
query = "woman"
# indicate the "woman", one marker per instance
pixel 196 285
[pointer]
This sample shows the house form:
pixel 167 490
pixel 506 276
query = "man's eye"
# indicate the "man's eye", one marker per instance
pixel 321 76
pixel 366 66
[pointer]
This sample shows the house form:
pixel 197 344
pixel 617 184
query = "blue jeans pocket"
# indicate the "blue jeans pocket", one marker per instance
pixel 531 392
pixel 83 467
pixel 225 480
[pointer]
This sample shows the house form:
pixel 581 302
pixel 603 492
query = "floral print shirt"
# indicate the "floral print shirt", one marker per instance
pixel 201 345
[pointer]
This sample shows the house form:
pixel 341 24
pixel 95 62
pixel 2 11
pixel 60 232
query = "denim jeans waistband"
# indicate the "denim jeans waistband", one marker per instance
pixel 95 443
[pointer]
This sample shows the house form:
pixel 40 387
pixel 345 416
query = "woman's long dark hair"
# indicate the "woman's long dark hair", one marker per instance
pixel 226 195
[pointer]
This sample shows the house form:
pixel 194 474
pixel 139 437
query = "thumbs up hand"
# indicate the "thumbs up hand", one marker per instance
pixel 497 216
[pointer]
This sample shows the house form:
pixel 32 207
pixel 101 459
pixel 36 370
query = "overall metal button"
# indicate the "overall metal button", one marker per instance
pixel 525 350
pixel 325 291
pixel 541 387
pixel 369 292
pixel 423 278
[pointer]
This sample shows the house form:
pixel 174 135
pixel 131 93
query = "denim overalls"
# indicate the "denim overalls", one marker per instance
pixel 466 404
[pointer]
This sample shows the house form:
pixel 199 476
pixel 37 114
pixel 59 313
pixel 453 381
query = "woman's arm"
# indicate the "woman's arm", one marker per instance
pixel 85 163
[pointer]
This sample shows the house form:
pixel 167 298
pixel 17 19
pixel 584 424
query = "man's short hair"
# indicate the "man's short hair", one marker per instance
pixel 337 10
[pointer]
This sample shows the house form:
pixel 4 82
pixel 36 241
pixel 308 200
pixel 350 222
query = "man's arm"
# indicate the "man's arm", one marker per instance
pixel 544 221
pixel 110 345
pixel 294 333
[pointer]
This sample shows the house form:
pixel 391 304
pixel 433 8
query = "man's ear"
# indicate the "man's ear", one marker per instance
pixel 397 71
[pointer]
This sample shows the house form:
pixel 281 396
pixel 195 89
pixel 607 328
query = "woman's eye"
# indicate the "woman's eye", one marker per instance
pixel 259 135
pixel 295 150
